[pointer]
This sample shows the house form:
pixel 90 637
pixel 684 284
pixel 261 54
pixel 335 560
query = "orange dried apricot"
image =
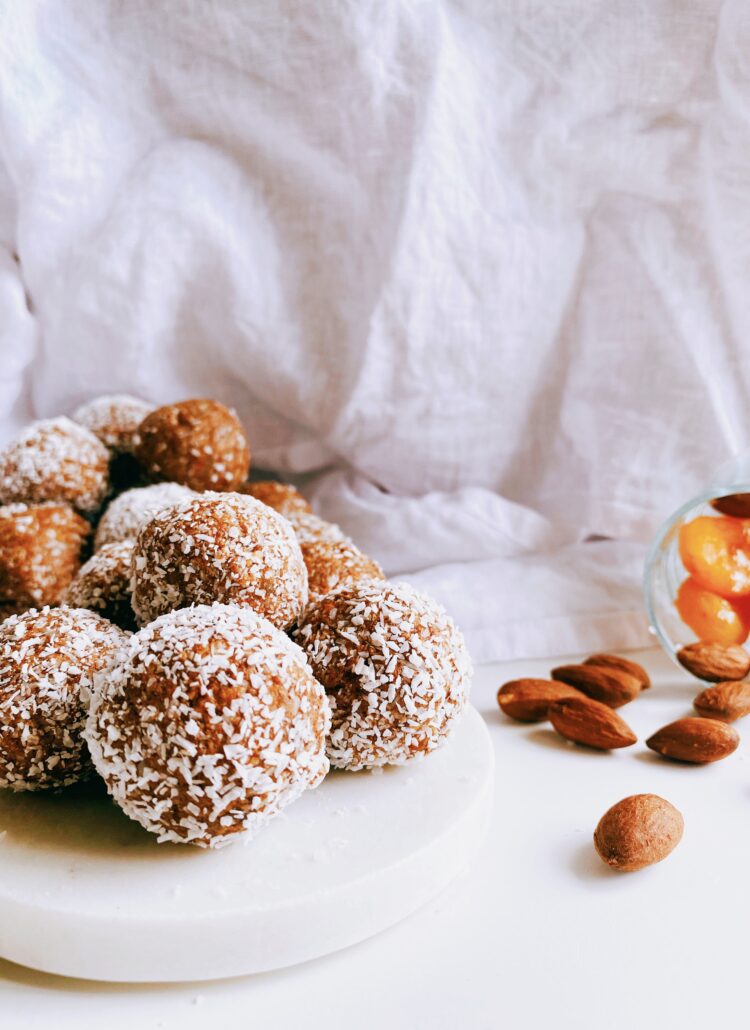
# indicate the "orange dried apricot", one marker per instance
pixel 712 618
pixel 716 553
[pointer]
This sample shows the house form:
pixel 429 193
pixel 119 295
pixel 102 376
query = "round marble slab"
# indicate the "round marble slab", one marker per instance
pixel 84 892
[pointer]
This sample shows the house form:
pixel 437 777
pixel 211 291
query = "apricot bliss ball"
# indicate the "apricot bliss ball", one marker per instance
pixel 55 460
pixel 219 547
pixel 41 547
pixel 209 726
pixel 333 564
pixel 309 529
pixel 114 419
pixel 282 497
pixel 198 443
pixel 395 668
pixel 103 585
pixel 127 514
pixel 47 663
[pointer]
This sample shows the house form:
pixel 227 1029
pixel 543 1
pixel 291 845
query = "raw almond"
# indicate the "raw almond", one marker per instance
pixel 590 722
pixel 528 699
pixel 615 661
pixel 726 701
pixel 611 686
pixel 736 505
pixel 695 739
pixel 638 831
pixel 715 662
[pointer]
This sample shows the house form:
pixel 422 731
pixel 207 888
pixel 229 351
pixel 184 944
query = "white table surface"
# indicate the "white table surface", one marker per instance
pixel 537 933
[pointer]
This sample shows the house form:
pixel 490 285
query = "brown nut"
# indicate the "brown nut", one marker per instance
pixel 637 832
pixel 616 661
pixel 695 739
pixel 528 700
pixel 715 662
pixel 590 722
pixel 612 687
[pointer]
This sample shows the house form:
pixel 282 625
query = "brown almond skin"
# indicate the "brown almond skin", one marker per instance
pixel 637 832
pixel 589 722
pixel 602 683
pixel 714 662
pixel 735 505
pixel 695 739
pixel 615 661
pixel 726 701
pixel 528 700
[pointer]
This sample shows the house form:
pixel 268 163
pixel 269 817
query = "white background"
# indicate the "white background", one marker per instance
pixel 537 933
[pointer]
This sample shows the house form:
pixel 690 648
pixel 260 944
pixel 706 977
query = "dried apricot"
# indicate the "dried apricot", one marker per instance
pixel 712 618
pixel 716 553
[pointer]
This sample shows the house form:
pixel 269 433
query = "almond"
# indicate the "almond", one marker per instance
pixel 736 505
pixel 715 662
pixel 614 661
pixel 602 683
pixel 726 701
pixel 590 722
pixel 528 699
pixel 638 831
pixel 695 740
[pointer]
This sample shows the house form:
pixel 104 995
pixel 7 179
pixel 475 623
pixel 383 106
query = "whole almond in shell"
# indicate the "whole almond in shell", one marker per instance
pixel 612 687
pixel 695 739
pixel 715 662
pixel 726 701
pixel 529 699
pixel 637 832
pixel 615 661
pixel 589 722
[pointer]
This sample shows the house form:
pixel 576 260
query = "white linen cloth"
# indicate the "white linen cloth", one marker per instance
pixel 476 272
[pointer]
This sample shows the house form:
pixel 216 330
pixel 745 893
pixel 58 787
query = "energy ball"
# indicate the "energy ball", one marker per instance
pixel 211 724
pixel 198 443
pixel 395 668
pixel 114 419
pixel 282 497
pixel 332 565
pixel 41 547
pixel 55 460
pixel 47 663
pixel 310 529
pixel 127 514
pixel 219 547
pixel 103 585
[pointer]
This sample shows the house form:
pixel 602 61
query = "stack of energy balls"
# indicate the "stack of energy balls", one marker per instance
pixel 206 644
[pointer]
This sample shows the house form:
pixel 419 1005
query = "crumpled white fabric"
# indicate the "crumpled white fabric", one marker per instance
pixel 476 273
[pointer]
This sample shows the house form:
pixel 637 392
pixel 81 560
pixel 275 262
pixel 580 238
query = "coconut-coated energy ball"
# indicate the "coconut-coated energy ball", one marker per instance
pixel 198 443
pixel 41 548
pixel 127 514
pixel 114 419
pixel 333 564
pixel 48 658
pixel 55 460
pixel 310 529
pixel 282 497
pixel 211 724
pixel 103 585
pixel 395 668
pixel 219 547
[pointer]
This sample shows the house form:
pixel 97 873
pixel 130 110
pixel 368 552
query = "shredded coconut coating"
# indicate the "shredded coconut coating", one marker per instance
pixel 103 585
pixel 309 528
pixel 126 515
pixel 332 565
pixel 209 726
pixel 395 668
pixel 55 460
pixel 282 497
pixel 219 547
pixel 41 547
pixel 198 443
pixel 115 419
pixel 48 659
